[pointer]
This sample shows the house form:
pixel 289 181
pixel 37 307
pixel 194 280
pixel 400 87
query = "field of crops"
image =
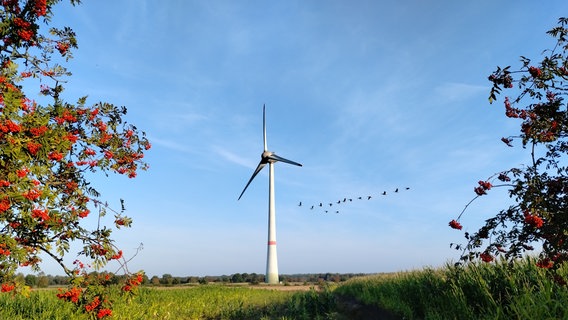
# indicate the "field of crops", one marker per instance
pixel 199 302
pixel 482 291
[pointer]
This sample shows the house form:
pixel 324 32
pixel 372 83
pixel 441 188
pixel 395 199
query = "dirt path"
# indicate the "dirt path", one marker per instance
pixel 349 308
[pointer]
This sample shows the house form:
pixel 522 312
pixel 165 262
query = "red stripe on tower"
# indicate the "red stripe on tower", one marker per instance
pixel 271 243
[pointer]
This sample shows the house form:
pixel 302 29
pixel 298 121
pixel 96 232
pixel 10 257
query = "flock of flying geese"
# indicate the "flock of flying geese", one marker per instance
pixel 329 205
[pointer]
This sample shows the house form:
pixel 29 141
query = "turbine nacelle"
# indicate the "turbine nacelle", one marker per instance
pixel 265 157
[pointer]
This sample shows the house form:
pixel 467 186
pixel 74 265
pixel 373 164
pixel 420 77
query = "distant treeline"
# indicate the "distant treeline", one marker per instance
pixel 42 281
pixel 254 278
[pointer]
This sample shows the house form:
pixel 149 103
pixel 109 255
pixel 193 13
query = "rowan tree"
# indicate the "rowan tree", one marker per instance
pixel 47 153
pixel 538 217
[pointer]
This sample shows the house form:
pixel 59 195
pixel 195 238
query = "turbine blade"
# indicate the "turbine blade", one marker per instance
pixel 279 158
pixel 264 126
pixel 258 168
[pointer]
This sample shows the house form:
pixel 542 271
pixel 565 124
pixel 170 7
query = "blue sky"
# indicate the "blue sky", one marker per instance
pixel 369 96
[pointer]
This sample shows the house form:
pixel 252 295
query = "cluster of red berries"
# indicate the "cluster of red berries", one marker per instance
pixel 483 187
pixel 455 225
pixel 533 220
pixel 7 287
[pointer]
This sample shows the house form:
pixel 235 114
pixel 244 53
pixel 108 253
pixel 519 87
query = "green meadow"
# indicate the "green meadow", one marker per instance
pixel 478 291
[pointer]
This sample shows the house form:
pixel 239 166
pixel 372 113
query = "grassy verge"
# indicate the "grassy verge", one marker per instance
pixel 480 291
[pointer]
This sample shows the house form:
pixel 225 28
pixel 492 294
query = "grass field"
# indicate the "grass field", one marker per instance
pixel 482 291
pixel 199 302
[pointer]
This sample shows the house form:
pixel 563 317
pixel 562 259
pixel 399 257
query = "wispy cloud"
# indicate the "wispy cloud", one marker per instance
pixel 453 91
pixel 180 122
pixel 170 144
pixel 191 118
pixel 232 157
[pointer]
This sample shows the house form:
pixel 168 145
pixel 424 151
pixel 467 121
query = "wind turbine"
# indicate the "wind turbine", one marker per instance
pixel 269 157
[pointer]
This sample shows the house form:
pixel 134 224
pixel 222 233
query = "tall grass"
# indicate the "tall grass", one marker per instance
pixel 479 291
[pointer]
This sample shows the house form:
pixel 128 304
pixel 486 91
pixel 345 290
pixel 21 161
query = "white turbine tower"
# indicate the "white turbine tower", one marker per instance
pixel 270 158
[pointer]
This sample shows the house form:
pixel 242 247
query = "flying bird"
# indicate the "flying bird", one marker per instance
pixel 344 200
pixel 300 204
